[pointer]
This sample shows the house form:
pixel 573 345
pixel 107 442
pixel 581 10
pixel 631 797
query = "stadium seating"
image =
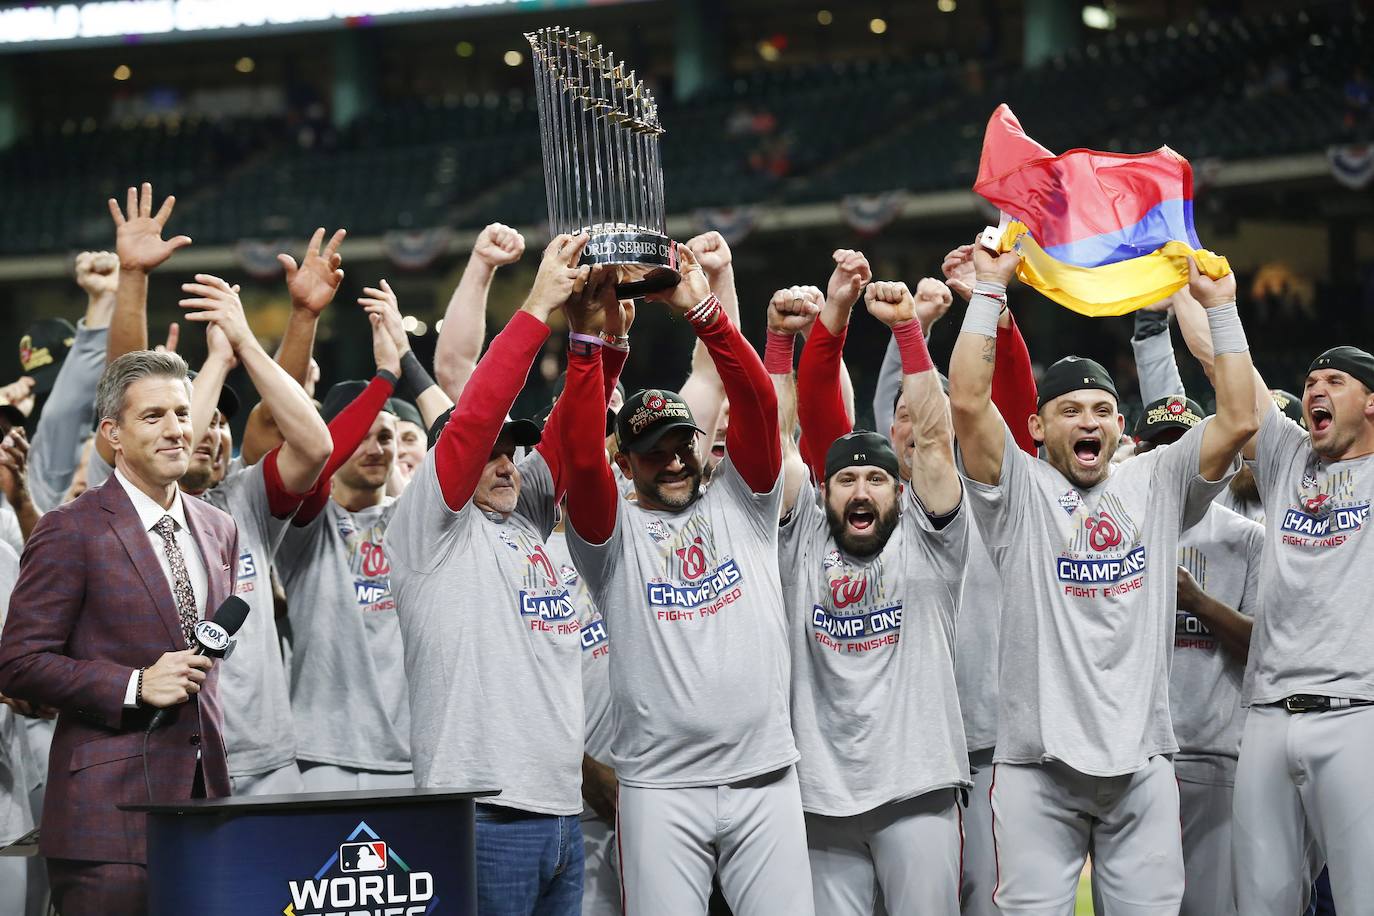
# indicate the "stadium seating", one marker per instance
pixel 1226 89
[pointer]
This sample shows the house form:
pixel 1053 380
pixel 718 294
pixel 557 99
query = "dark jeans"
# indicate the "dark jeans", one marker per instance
pixel 528 864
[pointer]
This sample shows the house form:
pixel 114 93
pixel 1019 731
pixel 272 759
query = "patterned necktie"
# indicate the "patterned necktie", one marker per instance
pixel 181 581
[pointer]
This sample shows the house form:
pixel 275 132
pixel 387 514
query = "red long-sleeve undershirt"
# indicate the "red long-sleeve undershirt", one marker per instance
pixel 281 502
pixel 461 456
pixel 1013 385
pixel 752 438
pixel 348 430
pixel 592 504
pixel 820 401
pixel 464 447
pixel 820 404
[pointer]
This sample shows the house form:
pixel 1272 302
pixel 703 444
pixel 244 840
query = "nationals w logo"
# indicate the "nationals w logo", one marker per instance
pixel 847 590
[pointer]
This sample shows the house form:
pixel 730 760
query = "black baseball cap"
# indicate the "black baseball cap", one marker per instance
pixel 341 394
pixel 43 348
pixel 1074 373
pixel 1352 360
pixel 1289 404
pixel 1176 411
pixel 859 448
pixel 404 410
pixel 228 399
pixel 526 433
pixel 649 414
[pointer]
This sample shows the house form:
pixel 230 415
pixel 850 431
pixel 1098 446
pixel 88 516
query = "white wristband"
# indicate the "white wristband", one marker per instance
pixel 1228 335
pixel 981 316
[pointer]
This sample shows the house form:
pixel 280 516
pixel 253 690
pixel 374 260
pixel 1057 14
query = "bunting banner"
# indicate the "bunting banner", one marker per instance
pixel 418 248
pixel 869 214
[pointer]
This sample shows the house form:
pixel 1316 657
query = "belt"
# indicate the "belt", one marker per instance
pixel 1306 702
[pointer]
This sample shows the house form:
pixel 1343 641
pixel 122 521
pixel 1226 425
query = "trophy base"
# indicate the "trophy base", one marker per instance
pixel 647 260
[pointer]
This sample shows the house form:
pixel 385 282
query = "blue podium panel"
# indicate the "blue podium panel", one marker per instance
pixel 401 852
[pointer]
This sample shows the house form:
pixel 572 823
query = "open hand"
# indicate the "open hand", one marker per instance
pixel 211 299
pixel 691 290
pixel 313 284
pixel 14 457
pixel 138 232
pixel 382 303
pixel 958 270
pixel 559 275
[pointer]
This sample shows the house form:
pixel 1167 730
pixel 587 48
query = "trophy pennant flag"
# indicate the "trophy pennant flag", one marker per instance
pixel 603 175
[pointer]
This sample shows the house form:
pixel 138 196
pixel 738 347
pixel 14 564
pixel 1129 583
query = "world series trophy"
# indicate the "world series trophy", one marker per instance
pixel 599 133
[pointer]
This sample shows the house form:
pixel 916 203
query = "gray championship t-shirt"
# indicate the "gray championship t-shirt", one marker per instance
pixel 976 639
pixel 492 645
pixel 699 677
pixel 875 711
pixel 1314 632
pixel 349 699
pixel 1223 553
pixel 259 735
pixel 1088 599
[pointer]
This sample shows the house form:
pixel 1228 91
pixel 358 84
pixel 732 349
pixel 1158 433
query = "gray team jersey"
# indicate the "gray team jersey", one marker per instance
pixel 598 723
pixel 1223 553
pixel 258 732
pixel 699 675
pixel 1314 632
pixel 348 683
pixel 1089 591
pixel 874 707
pixel 1252 509
pixel 596 654
pixel 492 645
pixel 976 638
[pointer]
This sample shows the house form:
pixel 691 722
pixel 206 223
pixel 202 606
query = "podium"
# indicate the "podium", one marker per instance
pixel 390 852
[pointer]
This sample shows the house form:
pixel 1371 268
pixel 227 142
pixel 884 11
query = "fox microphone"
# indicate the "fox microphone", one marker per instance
pixel 213 638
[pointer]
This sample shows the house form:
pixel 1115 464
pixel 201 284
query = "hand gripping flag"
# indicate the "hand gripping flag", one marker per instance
pixel 1100 233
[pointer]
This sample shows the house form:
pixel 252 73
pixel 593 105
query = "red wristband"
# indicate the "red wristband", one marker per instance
pixel 777 353
pixel 911 344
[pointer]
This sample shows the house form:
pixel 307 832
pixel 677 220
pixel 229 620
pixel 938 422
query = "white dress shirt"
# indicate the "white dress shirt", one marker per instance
pixel 149 514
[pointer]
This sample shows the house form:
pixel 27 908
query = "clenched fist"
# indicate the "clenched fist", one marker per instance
pixel 794 310
pixel 890 302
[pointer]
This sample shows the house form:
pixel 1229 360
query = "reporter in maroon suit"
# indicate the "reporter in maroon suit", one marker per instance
pixel 109 586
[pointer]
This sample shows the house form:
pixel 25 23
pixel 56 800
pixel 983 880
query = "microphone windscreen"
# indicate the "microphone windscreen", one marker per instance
pixel 231 614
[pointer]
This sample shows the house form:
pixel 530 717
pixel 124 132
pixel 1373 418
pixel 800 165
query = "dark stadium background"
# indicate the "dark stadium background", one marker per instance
pixel 775 111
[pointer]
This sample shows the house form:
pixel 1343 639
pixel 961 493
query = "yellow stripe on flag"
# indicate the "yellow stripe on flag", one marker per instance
pixel 1112 289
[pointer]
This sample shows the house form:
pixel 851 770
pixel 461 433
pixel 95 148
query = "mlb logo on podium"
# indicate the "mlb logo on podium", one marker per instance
pixel 362 857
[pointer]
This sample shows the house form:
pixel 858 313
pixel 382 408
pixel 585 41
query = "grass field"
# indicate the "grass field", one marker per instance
pixel 1084 907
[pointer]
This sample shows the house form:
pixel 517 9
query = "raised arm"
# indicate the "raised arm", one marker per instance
pixel 703 390
pixel 68 415
pixel 465 445
pixel 140 246
pixel 351 426
pixel 1197 335
pixel 752 440
pixel 1013 382
pixel 465 319
pixel 14 483
pixel 594 502
pixel 977 424
pixel 1153 346
pixel 789 314
pixel 820 401
pixel 1241 396
pixel 928 312
pixel 416 384
pixel 312 285
pixel 307 446
pixel 933 476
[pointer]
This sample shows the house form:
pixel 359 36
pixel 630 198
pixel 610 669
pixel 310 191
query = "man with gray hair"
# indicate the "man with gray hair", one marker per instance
pixel 110 589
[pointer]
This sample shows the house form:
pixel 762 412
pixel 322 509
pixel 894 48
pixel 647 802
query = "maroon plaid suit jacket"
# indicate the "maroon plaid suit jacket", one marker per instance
pixel 91 605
